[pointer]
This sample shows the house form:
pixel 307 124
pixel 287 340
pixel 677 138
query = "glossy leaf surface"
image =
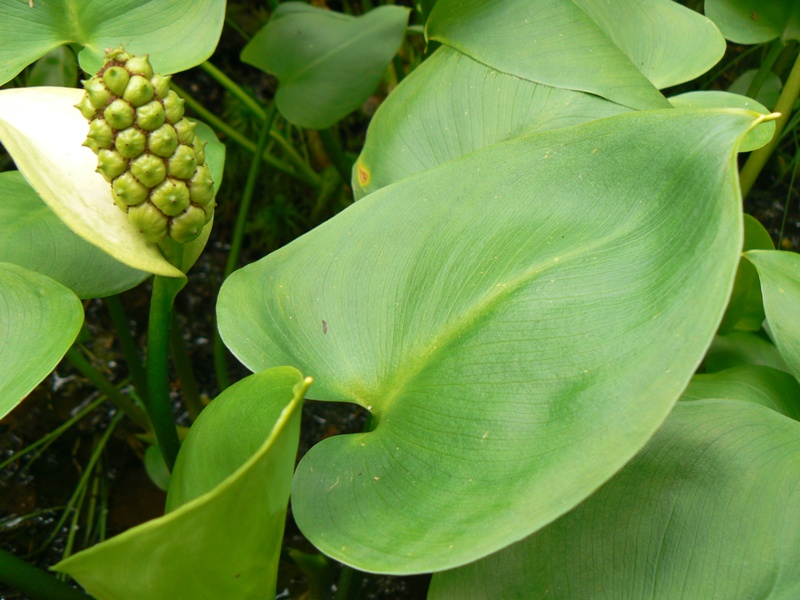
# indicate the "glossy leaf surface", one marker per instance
pixel 177 35
pixel 486 312
pixel 719 480
pixel 32 236
pixel 327 63
pixel 229 494
pixel 39 320
pixel 755 21
pixel 452 105
pixel 779 273
pixel 43 132
pixel 622 51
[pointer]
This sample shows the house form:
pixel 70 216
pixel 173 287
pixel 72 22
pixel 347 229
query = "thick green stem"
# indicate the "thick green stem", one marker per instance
pixel 126 342
pixel 335 152
pixel 123 402
pixel 158 401
pixel 755 163
pixel 34 582
pixel 220 363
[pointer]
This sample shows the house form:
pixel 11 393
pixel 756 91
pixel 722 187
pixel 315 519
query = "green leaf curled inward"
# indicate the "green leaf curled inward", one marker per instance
pixel 227 497
pixel 39 320
pixel 710 509
pixel 507 333
pixel 624 51
pixel 178 35
pixel 327 63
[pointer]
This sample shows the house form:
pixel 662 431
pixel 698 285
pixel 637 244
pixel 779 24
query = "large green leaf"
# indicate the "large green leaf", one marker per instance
pixel 779 273
pixel 755 21
pixel 505 318
pixel 742 348
pixel 621 50
pixel 228 495
pixel 452 105
pixel 43 132
pixel 39 320
pixel 34 237
pixel 327 63
pixel 177 35
pixel 769 387
pixel 709 509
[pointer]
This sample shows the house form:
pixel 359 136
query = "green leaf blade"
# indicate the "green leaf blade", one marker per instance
pixel 222 538
pixel 327 63
pixel 507 297
pixel 40 319
pixel 719 479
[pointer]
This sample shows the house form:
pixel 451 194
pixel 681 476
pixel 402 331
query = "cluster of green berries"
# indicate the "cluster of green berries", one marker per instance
pixel 147 150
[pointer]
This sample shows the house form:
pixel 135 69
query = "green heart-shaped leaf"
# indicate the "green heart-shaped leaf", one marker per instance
pixel 34 237
pixel 327 63
pixel 755 21
pixel 779 273
pixel 228 495
pixel 452 105
pixel 177 35
pixel 709 509
pixel 43 132
pixel 39 320
pixel 505 318
pixel 769 387
pixel 622 51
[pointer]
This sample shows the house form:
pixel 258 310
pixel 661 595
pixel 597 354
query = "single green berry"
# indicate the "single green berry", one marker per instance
pixel 130 142
pixel 150 116
pixel 185 129
pixel 201 186
pixel 139 65
pixel 127 191
pixel 209 210
pixel 182 164
pixel 139 90
pixel 200 151
pixel 149 169
pixel 85 106
pixel 99 95
pixel 188 225
pixel 160 85
pixel 171 197
pixel 150 221
pixel 101 134
pixel 119 114
pixel 173 107
pixel 163 140
pixel 116 80
pixel 111 164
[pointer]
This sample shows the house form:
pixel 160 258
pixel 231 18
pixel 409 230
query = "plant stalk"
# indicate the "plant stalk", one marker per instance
pixel 756 161
pixel 159 405
pixel 349 585
pixel 123 402
pixel 34 582
pixel 335 152
pixel 220 363
pixel 127 344
pixel 183 368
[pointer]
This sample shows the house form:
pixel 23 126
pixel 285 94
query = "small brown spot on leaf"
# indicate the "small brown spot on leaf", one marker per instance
pixel 363 175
